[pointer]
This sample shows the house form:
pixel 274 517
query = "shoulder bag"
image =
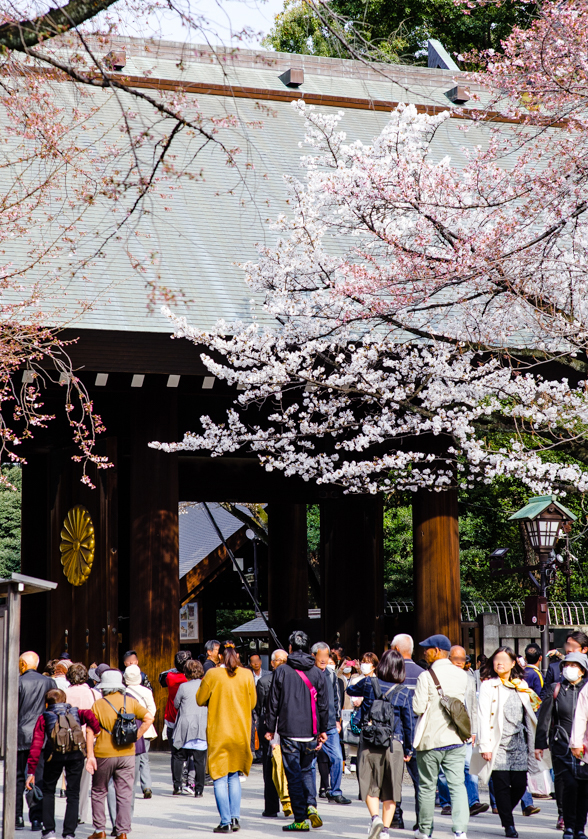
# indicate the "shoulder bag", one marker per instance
pixel 455 710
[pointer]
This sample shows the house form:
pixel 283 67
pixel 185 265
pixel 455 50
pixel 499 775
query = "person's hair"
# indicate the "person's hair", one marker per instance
pixel 320 645
pixel 338 648
pixel 181 658
pixel 254 654
pixel 487 670
pixel 77 674
pixel 370 658
pixel 108 691
pixel 391 667
pixel 579 637
pixel 193 669
pixel 50 666
pixel 298 640
pixel 275 654
pixel 129 653
pixel 210 645
pixel 481 658
pixel 55 696
pixel 231 658
pixel 532 653
pixel 403 643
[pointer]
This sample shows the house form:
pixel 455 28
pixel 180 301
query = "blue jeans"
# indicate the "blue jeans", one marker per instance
pixel 471 783
pixel 299 761
pixel 332 748
pixel 227 791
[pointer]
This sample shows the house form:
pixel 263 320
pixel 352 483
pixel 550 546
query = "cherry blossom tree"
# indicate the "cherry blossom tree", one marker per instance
pixel 81 153
pixel 427 318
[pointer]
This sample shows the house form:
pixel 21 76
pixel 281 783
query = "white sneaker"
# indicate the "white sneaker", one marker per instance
pixel 460 835
pixel 419 835
pixel 347 771
pixel 353 767
pixel 375 828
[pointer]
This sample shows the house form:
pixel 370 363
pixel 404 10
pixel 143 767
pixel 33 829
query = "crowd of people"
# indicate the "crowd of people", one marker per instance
pixel 316 710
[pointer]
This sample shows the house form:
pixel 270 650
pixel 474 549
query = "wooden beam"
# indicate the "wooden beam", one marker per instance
pixel 436 564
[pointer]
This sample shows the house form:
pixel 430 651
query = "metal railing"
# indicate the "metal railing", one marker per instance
pixel 561 613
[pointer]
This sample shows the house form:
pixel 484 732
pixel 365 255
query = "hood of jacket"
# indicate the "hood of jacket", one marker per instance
pixel 300 661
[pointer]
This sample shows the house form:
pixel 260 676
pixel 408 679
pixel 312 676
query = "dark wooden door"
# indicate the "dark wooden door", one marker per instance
pixel 84 618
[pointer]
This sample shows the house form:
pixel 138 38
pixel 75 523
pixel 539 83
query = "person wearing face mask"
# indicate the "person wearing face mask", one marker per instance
pixel 507 725
pixel 554 730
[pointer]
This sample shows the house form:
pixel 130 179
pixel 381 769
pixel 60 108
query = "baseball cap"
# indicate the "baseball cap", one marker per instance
pixel 441 641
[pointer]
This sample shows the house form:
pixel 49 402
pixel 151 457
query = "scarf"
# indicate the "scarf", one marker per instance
pixel 517 684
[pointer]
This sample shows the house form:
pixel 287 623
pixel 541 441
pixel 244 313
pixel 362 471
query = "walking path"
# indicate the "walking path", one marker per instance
pixel 174 817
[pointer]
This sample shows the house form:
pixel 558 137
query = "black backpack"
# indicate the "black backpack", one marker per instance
pixel 378 729
pixel 124 731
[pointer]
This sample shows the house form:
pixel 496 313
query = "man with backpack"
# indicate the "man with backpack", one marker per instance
pixel 113 754
pixel 60 727
pixel 298 709
pixel 441 735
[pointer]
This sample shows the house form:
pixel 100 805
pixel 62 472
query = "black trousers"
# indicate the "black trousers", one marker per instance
pixel 574 794
pixel 271 799
pixel 324 769
pixel 509 788
pixel 36 810
pixel 179 757
pixel 73 765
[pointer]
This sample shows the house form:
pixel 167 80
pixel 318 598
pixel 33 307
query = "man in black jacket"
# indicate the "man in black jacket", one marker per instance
pixel 298 708
pixel 32 688
pixel 271 798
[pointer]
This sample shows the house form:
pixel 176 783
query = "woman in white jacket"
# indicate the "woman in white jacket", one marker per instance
pixel 506 733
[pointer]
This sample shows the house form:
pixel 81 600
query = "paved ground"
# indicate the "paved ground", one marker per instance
pixel 172 817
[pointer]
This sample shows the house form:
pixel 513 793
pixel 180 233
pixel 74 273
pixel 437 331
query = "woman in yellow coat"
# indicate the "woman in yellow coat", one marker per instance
pixel 229 692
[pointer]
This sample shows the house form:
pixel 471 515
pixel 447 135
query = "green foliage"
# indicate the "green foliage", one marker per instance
pixel 483 526
pixel 389 30
pixel 10 501
pixel 229 619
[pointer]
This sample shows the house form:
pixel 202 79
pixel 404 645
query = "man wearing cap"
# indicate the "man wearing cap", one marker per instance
pixel 107 760
pixel 437 742
pixel 557 714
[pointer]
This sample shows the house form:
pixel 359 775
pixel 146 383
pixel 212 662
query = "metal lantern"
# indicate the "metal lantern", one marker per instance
pixel 543 518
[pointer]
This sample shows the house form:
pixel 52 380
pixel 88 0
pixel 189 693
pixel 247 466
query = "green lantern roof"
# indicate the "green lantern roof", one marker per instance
pixel 538 505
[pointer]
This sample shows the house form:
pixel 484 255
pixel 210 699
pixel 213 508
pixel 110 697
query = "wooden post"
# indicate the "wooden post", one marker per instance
pixel 352 573
pixel 288 569
pixel 154 556
pixel 11 709
pixel 436 564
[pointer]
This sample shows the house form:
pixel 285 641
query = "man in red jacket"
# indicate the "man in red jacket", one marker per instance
pixel 71 762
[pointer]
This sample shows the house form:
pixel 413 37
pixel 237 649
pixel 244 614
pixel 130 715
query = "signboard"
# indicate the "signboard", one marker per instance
pixel 189 622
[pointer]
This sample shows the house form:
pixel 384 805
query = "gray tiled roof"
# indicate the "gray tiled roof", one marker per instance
pixel 198 538
pixel 214 223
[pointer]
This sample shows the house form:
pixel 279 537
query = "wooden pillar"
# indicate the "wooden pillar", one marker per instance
pixel 36 501
pixel 288 569
pixel 352 573
pixel 154 554
pixel 436 564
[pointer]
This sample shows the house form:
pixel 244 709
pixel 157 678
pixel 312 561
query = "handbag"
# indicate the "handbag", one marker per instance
pixel 455 710
pixel 124 731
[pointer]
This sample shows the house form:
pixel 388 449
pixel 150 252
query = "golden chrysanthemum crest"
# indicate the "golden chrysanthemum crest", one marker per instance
pixel 77 545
